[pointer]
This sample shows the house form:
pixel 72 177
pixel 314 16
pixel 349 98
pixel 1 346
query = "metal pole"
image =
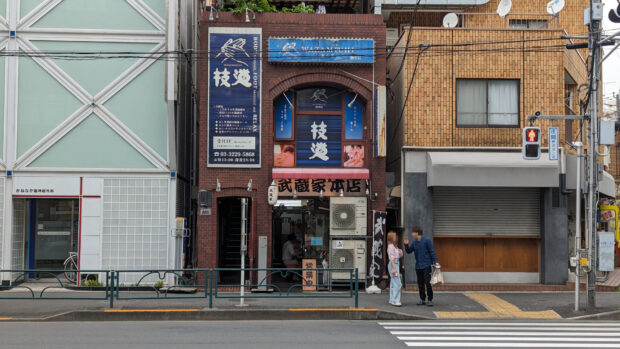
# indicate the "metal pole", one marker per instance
pixel 244 209
pixel 578 145
pixel 594 34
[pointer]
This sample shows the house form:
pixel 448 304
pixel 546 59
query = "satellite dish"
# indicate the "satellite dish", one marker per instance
pixel 614 15
pixel 450 20
pixel 504 7
pixel 555 6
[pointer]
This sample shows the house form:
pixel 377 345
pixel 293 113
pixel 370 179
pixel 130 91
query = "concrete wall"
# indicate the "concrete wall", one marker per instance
pixel 554 244
pixel 418 212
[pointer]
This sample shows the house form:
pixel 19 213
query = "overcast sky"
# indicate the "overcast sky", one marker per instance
pixel 611 66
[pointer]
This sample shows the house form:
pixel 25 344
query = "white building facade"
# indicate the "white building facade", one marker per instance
pixel 88 140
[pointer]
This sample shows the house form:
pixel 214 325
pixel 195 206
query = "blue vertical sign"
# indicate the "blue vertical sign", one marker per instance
pixel 319 142
pixel 284 116
pixel 234 111
pixel 554 136
pixel 353 124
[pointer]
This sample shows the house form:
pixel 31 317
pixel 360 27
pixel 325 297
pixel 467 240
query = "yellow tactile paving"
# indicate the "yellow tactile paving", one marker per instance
pixel 5 318
pixel 497 309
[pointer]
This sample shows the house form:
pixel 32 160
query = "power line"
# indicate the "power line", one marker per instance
pixel 402 111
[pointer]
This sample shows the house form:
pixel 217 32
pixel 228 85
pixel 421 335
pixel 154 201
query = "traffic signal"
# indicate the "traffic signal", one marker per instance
pixel 531 143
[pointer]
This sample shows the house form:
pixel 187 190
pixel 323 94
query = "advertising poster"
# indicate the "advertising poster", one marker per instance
pixel 234 112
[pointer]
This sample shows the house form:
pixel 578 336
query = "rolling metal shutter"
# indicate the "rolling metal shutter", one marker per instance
pixel 486 211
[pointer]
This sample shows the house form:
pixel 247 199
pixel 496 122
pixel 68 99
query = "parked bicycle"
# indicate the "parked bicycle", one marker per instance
pixel 71 267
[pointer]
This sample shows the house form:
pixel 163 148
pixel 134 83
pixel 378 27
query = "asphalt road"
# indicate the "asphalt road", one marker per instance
pixel 155 335
pixel 310 334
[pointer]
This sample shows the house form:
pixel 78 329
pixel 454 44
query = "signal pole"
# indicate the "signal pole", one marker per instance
pixel 594 45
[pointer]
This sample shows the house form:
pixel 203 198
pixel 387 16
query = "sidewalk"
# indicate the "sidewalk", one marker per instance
pixel 508 305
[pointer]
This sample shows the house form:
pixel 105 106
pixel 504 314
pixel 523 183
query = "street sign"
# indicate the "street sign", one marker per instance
pixel 554 135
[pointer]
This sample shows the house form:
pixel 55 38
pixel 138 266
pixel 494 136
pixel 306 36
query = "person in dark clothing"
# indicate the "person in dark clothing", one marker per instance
pixel 424 260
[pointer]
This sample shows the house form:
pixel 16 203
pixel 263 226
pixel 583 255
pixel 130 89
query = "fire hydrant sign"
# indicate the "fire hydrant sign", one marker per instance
pixel 554 136
pixel 234 111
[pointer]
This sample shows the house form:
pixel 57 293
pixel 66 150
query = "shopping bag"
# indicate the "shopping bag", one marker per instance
pixel 437 277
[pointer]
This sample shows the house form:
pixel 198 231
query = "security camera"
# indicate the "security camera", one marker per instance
pixel 537 113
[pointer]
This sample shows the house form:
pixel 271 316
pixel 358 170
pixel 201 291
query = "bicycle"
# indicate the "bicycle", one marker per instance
pixel 71 267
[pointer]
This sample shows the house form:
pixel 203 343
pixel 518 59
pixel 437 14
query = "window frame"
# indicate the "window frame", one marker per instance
pixel 342 113
pixel 486 124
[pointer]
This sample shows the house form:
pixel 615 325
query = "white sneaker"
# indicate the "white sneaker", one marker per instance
pixel 398 304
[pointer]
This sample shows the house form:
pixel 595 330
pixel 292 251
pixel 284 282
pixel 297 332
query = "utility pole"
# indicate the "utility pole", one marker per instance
pixel 594 44
pixel 617 105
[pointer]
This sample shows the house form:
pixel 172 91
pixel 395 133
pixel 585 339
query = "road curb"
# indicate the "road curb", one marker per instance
pixel 228 315
pixel 610 315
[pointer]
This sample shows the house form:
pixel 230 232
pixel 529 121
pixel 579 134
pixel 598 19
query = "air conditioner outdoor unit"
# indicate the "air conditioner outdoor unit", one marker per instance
pixel 348 254
pixel 347 216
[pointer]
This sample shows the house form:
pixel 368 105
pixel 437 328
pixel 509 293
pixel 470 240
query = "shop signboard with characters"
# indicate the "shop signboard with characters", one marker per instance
pixel 234 112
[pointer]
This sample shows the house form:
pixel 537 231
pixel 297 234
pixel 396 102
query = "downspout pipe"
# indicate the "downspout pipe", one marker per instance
pixel 563 189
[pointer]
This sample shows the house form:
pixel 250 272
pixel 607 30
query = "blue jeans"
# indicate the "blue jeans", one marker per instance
pixel 395 284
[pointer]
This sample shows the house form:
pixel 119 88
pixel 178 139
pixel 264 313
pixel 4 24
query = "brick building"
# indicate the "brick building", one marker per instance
pixel 303 99
pixel 454 142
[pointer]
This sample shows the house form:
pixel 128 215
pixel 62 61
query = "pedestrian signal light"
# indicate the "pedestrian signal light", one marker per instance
pixel 531 143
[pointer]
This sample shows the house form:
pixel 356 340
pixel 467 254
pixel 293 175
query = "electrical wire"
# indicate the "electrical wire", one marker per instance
pixel 402 111
pixel 402 63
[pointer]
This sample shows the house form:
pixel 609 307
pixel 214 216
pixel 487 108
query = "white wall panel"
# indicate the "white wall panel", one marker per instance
pixel 92 186
pixel 90 247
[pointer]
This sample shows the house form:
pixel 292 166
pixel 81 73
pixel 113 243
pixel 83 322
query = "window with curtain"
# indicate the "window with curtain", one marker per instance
pixel 487 103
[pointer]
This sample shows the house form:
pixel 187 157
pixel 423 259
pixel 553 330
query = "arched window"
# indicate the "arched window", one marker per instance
pixel 319 127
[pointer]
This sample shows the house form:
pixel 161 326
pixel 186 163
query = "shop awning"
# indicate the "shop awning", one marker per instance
pixel 490 169
pixel 607 185
pixel 320 173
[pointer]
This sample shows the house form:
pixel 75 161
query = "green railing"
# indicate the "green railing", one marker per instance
pixel 187 284
pixel 57 282
pixel 271 289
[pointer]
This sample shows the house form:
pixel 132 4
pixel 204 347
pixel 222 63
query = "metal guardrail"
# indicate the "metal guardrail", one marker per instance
pixel 188 284
pixel 274 290
pixel 19 276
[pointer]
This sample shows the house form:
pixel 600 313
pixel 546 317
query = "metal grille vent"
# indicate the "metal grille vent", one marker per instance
pixel 343 259
pixel 343 216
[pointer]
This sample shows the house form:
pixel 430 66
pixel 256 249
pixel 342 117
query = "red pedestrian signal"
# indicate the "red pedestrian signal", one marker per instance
pixel 531 143
pixel 532 135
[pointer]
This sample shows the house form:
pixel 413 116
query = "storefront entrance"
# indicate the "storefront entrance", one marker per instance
pixel 308 221
pixel 229 251
pixel 47 230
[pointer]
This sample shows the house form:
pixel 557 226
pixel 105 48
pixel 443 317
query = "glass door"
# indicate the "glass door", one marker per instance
pixel 56 231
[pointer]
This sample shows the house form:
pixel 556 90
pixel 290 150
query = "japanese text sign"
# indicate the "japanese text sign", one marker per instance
pixel 321 50
pixel 554 135
pixel 319 141
pixel 314 187
pixel 234 112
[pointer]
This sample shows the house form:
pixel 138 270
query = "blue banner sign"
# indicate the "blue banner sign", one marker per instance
pixel 284 116
pixel 321 50
pixel 319 141
pixel 234 112
pixel 353 124
pixel 554 135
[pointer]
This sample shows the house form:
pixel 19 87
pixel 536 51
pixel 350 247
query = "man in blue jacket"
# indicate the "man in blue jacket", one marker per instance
pixel 424 259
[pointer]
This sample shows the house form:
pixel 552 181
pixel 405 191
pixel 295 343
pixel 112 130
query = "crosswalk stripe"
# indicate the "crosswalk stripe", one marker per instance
pixel 507 333
pixel 498 324
pixel 508 345
pixel 446 334
pixel 559 328
pixel 522 339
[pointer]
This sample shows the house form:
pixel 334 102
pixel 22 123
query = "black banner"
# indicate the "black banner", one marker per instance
pixel 377 266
